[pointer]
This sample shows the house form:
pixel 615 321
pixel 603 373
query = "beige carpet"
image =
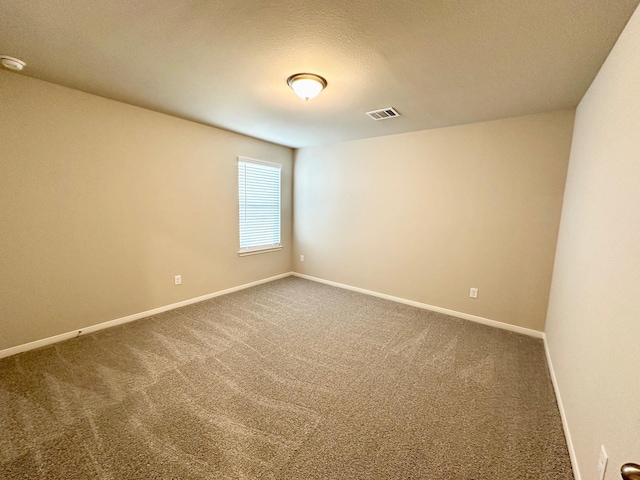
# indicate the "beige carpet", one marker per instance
pixel 291 380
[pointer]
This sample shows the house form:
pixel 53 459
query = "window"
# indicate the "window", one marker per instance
pixel 259 200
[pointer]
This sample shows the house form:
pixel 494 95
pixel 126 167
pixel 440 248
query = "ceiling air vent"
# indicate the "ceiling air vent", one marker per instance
pixel 383 113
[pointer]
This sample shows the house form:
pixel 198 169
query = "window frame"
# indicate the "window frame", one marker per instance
pixel 257 249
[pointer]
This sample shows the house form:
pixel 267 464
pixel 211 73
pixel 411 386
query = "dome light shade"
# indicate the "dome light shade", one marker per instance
pixel 306 85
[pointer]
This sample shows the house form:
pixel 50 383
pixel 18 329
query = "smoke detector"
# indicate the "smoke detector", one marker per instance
pixel 383 113
pixel 12 63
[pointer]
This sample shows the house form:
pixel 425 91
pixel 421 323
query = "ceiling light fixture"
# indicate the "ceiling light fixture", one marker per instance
pixel 12 63
pixel 306 85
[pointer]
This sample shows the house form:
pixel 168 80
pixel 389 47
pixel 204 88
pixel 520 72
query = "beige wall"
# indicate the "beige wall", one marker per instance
pixel 102 203
pixel 593 325
pixel 425 216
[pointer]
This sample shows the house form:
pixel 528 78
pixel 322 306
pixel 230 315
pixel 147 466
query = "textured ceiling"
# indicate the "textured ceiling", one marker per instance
pixel 225 63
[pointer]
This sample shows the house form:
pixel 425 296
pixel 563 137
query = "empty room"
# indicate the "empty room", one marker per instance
pixel 320 240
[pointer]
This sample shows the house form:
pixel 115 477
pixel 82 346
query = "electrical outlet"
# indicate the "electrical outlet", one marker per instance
pixel 602 463
pixel 178 280
pixel 473 293
pixel 302 258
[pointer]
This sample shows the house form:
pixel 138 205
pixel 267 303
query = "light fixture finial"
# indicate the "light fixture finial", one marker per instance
pixel 307 85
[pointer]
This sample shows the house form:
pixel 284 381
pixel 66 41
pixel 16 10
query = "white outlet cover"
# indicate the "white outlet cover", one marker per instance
pixel 473 293
pixel 178 279
pixel 602 463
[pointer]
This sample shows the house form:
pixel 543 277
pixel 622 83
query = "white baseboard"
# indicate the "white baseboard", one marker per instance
pixel 563 416
pixel 453 313
pixel 130 318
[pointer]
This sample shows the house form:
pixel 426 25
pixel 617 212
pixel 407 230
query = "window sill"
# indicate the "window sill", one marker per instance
pixel 255 251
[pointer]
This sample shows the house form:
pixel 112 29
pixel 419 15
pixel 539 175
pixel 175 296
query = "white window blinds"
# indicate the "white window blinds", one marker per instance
pixel 259 199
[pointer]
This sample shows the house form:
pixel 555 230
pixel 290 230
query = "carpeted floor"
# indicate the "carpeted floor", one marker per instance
pixel 288 380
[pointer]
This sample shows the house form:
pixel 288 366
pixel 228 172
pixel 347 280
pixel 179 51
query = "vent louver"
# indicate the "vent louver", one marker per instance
pixel 384 113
